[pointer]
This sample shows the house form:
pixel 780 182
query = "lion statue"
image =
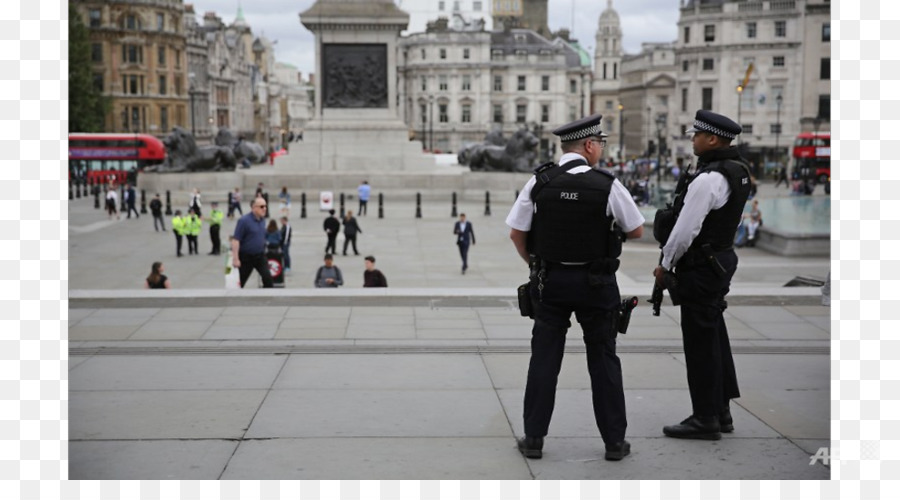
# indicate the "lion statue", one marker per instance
pixel 518 154
pixel 250 150
pixel 183 155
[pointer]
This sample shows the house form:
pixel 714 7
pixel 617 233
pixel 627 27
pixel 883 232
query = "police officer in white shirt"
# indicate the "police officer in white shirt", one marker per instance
pixel 568 223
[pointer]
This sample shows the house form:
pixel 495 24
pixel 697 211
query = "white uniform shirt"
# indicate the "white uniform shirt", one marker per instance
pixel 709 191
pixel 620 206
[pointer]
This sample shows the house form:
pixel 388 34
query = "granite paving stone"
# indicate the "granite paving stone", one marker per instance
pixel 172 330
pixel 149 460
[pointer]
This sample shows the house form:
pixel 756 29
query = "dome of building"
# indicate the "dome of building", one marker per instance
pixel 609 16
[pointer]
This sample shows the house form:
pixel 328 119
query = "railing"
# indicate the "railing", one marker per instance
pixel 782 5
pixel 710 9
pixel 750 7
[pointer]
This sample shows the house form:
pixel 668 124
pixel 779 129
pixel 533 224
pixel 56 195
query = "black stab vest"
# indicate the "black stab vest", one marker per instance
pixel 720 225
pixel 570 222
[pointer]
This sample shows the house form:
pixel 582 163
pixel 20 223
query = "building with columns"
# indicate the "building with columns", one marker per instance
pixel 647 89
pixel 461 15
pixel 607 80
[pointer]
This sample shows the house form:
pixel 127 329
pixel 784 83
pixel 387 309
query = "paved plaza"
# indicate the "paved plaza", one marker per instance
pixel 421 380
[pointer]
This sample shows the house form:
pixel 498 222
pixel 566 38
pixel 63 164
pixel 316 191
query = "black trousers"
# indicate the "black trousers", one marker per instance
pixel 258 261
pixel 214 238
pixel 363 207
pixel 331 246
pixel 192 244
pixel 464 254
pixel 132 209
pixel 350 239
pixel 177 243
pixel 158 221
pixel 711 375
pixel 566 290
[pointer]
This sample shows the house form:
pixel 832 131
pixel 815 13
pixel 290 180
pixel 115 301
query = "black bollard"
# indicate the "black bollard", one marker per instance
pixel 77 188
pixel 487 203
pixel 143 201
pixel 122 198
pixel 168 202
pixel 96 196
pixel 302 205
pixel 381 205
pixel 84 187
pixel 418 205
pixel 342 206
pixel 71 197
pixel 453 210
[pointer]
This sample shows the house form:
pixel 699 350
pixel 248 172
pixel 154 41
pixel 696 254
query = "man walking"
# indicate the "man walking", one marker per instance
pixel 248 248
pixel 331 226
pixel 286 233
pixel 708 207
pixel 562 224
pixel 156 211
pixel 215 225
pixel 364 190
pixel 130 200
pixel 465 234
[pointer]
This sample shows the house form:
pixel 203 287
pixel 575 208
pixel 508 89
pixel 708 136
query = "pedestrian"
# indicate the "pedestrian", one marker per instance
pixel 261 193
pixel 782 177
pixel 351 228
pixel 112 201
pixel 373 278
pixel 755 220
pixel 364 190
pixel 178 229
pixel 215 225
pixel 286 233
pixel 464 235
pixel 562 226
pixel 329 275
pixel 195 202
pixel 331 226
pixel 273 236
pixel 700 250
pixel 192 231
pixel 235 203
pixel 248 247
pixel 129 201
pixel 156 211
pixel 284 199
pixel 157 279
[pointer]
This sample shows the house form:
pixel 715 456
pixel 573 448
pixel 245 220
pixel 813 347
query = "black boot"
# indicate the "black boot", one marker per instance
pixel 531 447
pixel 695 427
pixel 618 451
pixel 726 423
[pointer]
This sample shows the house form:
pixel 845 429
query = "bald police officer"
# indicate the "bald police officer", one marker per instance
pixel 708 208
pixel 562 225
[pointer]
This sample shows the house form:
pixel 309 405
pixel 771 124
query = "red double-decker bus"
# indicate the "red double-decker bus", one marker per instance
pixel 812 156
pixel 104 158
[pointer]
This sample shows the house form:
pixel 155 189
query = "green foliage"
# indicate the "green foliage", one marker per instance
pixel 87 106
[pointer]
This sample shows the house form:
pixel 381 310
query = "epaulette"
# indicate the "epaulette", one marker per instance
pixel 544 167
pixel 605 172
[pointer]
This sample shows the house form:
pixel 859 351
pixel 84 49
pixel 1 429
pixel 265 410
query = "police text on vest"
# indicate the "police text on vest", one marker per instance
pixel 568 196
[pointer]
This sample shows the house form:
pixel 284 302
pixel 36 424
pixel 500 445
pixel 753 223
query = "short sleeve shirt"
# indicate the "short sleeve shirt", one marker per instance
pixel 251 233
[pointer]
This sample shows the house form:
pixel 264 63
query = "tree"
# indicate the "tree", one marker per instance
pixel 88 107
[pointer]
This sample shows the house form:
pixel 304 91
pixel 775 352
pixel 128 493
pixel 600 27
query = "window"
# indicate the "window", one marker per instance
pixel 497 55
pixel 132 54
pixel 424 82
pixel 824 107
pixel 685 65
pixel 746 128
pixel 604 71
pixel 825 68
pixel 442 113
pixel 545 83
pixel 572 110
pixel 826 32
pixel 465 53
pixel 132 84
pixel 476 6
pixel 687 34
pixel 466 113
pixel 467 82
pixel 748 98
pixel 222 118
pixel 94 18
pixel 707 98
pixel 780 29
pixel 707 64
pixel 164 118
pixel 520 83
pixel 442 82
pixel 615 70
pixel 775 128
pixel 545 113
pixel 222 96
pixel 498 83
pixel 441 6
pixel 443 53
pixel 178 86
pixel 162 85
pixel 684 95
pixel 520 113
pixel 96 52
pixel 573 86
pixel 709 33
pixel 751 30
pixel 160 25
pixel 161 56
pixel 131 22
pixel 423 53
pixel 456 6
pixel 98 82
pixel 663 100
pixel 423 114
pixel 177 58
pixel 498 113
pixel 778 61
pixel 609 105
pixel 135 119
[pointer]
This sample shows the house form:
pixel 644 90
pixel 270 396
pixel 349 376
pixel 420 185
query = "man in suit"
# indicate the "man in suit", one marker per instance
pixel 130 200
pixel 464 235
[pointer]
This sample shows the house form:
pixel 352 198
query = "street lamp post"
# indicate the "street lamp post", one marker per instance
pixel 778 99
pixel 660 128
pixel 191 92
pixel 740 91
pixel 621 132
pixel 431 123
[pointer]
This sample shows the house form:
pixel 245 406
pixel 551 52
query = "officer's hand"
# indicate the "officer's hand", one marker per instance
pixel 236 262
pixel 658 273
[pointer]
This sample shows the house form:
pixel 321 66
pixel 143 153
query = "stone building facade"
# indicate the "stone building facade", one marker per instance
pixel 456 86
pixel 607 80
pixel 647 89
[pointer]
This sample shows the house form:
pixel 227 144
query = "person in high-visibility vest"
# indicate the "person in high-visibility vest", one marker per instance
pixel 193 231
pixel 178 230
pixel 215 224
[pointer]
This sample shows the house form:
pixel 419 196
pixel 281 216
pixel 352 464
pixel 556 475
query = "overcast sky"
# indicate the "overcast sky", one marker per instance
pixel 642 21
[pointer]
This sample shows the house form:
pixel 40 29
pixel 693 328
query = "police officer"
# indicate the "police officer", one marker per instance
pixel 561 224
pixel 178 229
pixel 708 209
pixel 215 224
pixel 193 225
